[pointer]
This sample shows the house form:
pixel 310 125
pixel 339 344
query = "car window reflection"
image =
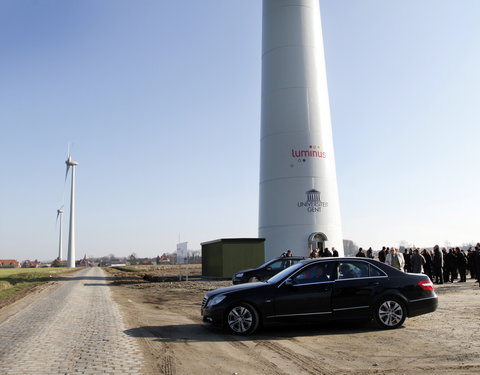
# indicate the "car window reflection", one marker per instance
pixel 317 273
pixel 353 270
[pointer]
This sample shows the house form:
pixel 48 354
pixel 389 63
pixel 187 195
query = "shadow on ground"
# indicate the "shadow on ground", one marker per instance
pixel 205 333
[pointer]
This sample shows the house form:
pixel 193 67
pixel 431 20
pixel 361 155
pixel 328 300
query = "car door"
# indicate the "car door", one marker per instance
pixel 356 284
pixel 306 295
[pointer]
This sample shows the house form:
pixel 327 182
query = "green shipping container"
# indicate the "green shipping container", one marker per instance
pixel 224 257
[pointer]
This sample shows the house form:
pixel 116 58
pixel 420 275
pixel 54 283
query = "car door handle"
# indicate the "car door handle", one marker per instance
pixel 374 283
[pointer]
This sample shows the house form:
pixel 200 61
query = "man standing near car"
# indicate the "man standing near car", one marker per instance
pixel 395 259
pixel 287 254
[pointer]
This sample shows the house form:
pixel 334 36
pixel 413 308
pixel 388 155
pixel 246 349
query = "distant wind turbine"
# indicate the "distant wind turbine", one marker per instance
pixel 71 237
pixel 60 215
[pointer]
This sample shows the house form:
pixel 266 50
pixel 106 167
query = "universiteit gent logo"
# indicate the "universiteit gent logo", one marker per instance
pixel 313 202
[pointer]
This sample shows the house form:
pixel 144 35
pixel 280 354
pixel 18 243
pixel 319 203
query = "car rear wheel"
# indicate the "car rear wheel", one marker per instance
pixel 390 313
pixel 242 319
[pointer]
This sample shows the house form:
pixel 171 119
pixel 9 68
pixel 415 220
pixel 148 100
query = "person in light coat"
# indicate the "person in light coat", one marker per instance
pixel 395 259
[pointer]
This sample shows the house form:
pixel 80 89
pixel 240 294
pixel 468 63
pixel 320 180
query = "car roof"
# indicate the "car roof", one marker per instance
pixel 296 257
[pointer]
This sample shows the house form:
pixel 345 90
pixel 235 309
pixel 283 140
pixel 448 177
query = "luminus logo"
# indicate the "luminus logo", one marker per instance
pixel 311 152
pixel 313 202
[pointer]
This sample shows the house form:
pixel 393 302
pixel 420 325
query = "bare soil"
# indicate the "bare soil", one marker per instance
pixel 165 316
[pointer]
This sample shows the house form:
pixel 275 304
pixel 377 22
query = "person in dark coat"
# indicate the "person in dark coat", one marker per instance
pixel 407 254
pixel 471 263
pixel 370 253
pixel 446 265
pixel 428 267
pixel 417 262
pixel 334 252
pixel 382 254
pixel 438 265
pixel 477 261
pixel 360 253
pixel 449 265
pixel 462 265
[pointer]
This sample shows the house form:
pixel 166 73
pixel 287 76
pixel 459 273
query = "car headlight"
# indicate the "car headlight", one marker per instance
pixel 239 275
pixel 216 300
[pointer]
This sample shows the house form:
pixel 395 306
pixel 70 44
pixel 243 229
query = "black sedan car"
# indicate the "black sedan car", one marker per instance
pixel 265 271
pixel 318 289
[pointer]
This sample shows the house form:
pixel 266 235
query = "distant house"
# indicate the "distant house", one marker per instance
pixel 83 262
pixel 29 264
pixel 9 263
pixel 59 263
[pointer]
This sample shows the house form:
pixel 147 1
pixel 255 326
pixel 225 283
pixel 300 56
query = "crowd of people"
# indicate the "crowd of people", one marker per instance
pixel 440 265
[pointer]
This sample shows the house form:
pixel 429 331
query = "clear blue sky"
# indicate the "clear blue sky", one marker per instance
pixel 161 100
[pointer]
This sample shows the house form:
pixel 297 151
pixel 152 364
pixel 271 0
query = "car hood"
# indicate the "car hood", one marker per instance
pixel 235 288
pixel 246 271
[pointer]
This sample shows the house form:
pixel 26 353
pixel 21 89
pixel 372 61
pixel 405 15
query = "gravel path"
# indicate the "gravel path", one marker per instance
pixel 76 329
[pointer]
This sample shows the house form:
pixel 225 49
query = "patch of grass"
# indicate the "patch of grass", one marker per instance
pixel 14 280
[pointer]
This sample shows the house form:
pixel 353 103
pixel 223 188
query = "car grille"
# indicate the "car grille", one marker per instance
pixel 204 302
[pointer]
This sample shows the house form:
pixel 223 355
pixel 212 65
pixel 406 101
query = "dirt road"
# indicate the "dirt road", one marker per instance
pixel 165 316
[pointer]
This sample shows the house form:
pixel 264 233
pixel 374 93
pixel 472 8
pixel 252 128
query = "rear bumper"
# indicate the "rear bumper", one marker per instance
pixel 422 306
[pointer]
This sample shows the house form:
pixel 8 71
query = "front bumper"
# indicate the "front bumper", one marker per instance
pixel 213 316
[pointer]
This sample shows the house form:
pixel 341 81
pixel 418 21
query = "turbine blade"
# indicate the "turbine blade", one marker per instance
pixel 66 173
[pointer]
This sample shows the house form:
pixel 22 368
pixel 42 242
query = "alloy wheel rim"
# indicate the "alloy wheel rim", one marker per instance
pixel 390 313
pixel 240 319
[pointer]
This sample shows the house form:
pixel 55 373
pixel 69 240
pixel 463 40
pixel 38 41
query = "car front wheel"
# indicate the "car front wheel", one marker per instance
pixel 390 313
pixel 242 319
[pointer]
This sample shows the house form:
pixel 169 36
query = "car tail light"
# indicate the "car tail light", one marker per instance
pixel 426 285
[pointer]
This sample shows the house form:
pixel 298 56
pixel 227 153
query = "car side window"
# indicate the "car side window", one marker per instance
pixel 375 272
pixel 316 273
pixel 353 270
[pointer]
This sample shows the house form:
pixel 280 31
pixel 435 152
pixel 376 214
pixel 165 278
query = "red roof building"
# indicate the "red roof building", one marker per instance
pixel 9 263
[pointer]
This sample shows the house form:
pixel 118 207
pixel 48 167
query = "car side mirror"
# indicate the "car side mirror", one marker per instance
pixel 269 268
pixel 289 282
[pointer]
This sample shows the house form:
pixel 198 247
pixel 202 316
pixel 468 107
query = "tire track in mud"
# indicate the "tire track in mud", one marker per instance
pixel 301 361
pixel 166 358
pixel 264 364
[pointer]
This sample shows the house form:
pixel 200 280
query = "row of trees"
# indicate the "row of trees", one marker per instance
pixel 133 259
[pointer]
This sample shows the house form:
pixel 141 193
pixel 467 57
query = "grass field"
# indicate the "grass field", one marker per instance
pixel 15 280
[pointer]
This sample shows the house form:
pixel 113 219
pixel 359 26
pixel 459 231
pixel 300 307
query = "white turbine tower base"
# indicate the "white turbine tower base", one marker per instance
pixel 299 205
pixel 71 237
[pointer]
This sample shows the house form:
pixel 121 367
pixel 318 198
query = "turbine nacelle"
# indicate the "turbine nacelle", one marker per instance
pixel 59 212
pixel 70 163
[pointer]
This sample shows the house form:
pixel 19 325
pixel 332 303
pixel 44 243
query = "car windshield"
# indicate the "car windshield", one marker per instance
pixel 287 271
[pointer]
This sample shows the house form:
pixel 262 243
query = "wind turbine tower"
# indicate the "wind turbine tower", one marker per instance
pixel 299 205
pixel 60 239
pixel 71 237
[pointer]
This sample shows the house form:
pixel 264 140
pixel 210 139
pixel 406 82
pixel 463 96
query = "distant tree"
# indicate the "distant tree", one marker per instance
pixel 132 258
